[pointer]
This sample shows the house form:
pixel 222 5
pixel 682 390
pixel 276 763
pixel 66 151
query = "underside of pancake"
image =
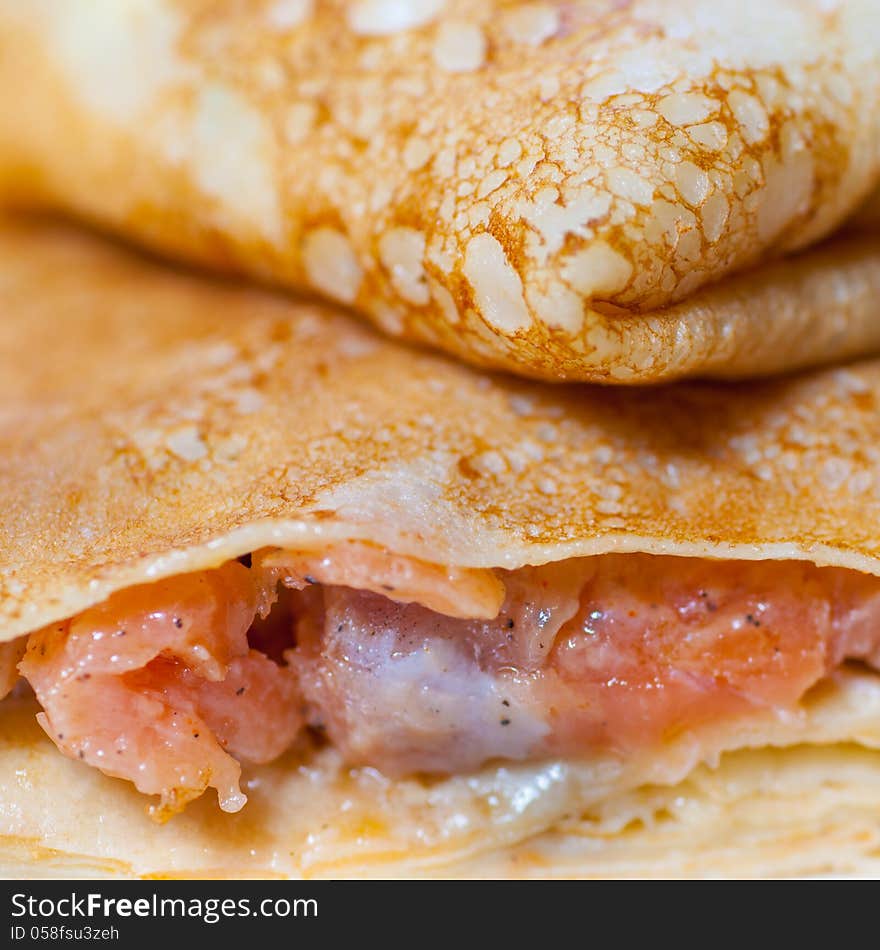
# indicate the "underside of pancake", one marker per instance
pixel 582 191
pixel 169 425
pixel 792 801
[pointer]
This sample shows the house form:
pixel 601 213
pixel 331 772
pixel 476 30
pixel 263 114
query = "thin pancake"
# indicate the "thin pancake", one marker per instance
pixel 164 423
pixel 552 188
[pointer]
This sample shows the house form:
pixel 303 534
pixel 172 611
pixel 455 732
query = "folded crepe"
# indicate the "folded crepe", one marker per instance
pixel 279 596
pixel 593 190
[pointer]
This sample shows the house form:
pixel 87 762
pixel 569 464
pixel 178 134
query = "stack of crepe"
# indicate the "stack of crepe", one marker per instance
pixel 282 595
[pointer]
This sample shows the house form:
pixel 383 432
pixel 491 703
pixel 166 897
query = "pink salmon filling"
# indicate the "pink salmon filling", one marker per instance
pixel 411 667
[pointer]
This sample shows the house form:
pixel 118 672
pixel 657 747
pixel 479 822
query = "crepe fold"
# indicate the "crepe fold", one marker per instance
pixel 155 423
pixel 163 422
pixel 585 191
